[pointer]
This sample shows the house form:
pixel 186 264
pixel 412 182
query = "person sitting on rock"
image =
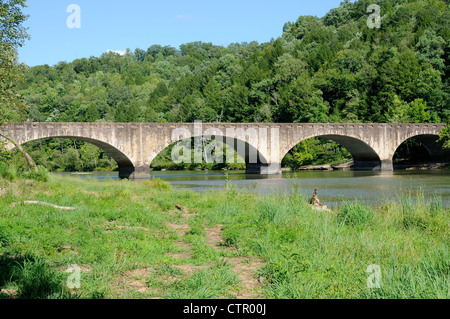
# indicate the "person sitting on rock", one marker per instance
pixel 315 199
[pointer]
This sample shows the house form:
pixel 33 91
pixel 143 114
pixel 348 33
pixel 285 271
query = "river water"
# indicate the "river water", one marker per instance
pixel 371 187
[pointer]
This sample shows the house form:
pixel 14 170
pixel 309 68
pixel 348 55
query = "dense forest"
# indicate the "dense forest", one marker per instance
pixel 330 69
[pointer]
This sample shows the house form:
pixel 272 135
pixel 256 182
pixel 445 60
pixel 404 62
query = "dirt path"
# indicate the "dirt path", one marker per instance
pixel 245 268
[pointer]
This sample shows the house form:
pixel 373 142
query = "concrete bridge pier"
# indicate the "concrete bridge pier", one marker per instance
pixel 141 172
pixel 387 165
pixel 263 169
pixel 131 172
pixel 125 171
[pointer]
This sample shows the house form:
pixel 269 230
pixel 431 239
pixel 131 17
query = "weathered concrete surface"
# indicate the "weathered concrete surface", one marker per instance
pixel 263 146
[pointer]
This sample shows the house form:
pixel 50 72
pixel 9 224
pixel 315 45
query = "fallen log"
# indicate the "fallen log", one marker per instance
pixel 31 202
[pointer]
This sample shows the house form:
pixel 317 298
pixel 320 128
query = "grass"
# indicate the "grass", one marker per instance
pixel 120 236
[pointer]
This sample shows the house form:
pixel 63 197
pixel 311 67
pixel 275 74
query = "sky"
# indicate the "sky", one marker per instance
pixel 120 24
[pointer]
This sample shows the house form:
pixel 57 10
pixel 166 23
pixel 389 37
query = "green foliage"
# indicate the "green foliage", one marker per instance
pixel 10 172
pixel 42 175
pixel 445 136
pixel 12 36
pixel 7 171
pixel 414 112
pixel 430 49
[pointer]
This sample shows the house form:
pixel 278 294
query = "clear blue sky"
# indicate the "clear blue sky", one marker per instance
pixel 118 25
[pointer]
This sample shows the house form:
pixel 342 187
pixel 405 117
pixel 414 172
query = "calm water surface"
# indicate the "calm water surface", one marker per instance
pixel 371 187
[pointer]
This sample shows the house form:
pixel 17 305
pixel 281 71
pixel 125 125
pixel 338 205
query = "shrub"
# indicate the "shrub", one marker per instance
pixel 42 175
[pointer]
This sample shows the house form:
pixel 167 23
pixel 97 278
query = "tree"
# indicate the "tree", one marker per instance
pixel 92 113
pixel 13 35
pixel 237 108
pixel 418 112
pixel 288 68
pixel 121 113
pixel 339 15
pixel 431 49
pixel 414 112
pixel 213 97
pixel 132 113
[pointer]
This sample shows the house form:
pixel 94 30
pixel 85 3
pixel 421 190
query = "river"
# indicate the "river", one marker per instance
pixel 371 187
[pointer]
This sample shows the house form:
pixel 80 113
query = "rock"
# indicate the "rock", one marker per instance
pixel 422 166
pixel 325 208
pixel 316 168
pixel 344 166
pixel 12 293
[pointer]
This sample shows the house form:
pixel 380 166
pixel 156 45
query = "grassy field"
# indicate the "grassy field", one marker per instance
pixel 146 240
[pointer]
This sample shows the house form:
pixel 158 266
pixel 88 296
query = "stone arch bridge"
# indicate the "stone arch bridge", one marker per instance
pixel 263 145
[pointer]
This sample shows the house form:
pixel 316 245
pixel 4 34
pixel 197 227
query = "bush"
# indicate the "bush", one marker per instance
pixel 42 175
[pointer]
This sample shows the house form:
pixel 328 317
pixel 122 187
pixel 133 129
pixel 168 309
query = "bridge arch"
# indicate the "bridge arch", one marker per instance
pixel 364 156
pixel 254 159
pixel 126 167
pixel 430 143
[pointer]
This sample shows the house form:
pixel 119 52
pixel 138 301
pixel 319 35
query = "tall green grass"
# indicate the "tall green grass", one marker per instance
pixel 33 277
pixel 9 171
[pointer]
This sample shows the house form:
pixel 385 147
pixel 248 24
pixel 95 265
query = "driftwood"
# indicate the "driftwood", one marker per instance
pixel 24 153
pixel 30 202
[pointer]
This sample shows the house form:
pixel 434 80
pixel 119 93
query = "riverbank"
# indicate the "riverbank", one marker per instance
pixel 147 240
